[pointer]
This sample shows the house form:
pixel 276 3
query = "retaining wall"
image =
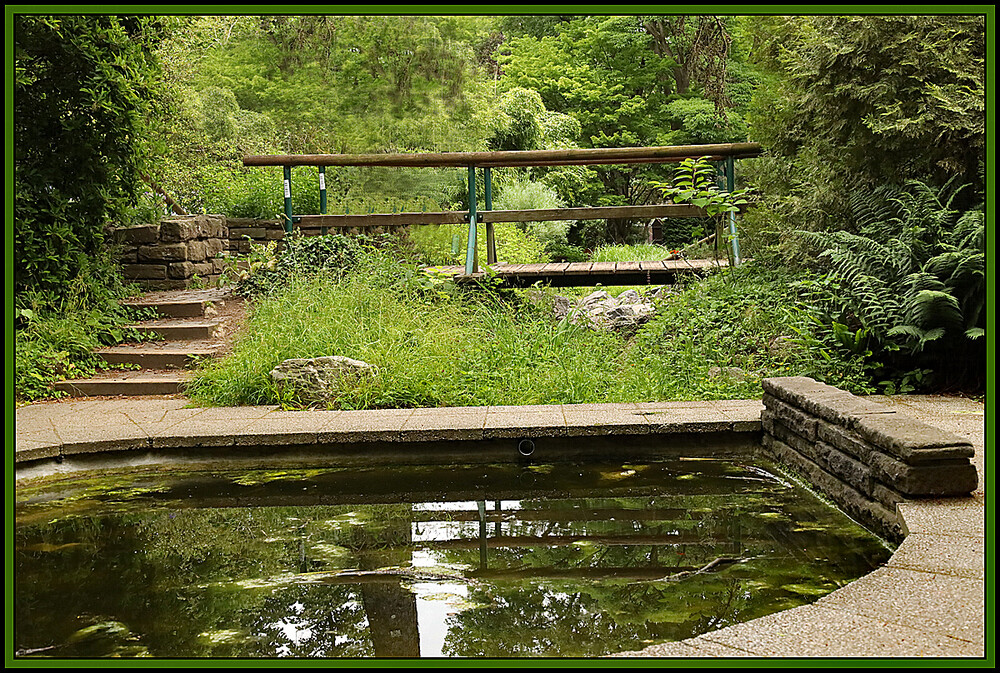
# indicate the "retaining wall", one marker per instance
pixel 171 254
pixel 864 457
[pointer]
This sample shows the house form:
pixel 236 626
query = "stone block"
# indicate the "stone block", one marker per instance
pixel 850 470
pixel 795 420
pixel 197 251
pixel 946 477
pixel 214 247
pixel 844 440
pixel 144 271
pixel 171 252
pixel 167 284
pixel 256 233
pixel 215 226
pixel 129 255
pixel 180 270
pixel 146 233
pixel 178 230
pixel 910 440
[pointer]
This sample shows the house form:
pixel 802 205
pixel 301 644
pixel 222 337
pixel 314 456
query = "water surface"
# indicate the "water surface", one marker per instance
pixel 557 560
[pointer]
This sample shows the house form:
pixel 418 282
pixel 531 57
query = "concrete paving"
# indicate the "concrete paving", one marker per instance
pixel 927 601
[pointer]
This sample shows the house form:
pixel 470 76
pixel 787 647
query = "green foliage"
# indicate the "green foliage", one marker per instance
pixel 629 253
pixel 266 270
pixel 533 196
pixel 912 277
pixel 850 102
pixel 56 342
pixel 84 86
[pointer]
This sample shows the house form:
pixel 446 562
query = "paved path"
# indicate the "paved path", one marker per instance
pixel 929 599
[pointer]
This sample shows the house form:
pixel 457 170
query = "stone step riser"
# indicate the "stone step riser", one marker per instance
pixel 192 332
pixel 179 309
pixel 82 388
pixel 153 360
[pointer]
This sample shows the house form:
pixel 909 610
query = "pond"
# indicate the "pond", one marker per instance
pixel 512 560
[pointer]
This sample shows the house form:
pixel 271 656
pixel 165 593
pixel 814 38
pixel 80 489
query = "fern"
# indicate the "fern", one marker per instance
pixel 913 270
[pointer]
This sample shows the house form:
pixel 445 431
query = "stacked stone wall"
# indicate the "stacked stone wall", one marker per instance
pixel 174 254
pixel 862 455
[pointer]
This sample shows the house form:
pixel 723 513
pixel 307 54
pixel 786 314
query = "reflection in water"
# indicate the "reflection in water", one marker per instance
pixel 419 561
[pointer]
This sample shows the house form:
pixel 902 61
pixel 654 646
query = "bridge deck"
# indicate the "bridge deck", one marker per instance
pixel 568 274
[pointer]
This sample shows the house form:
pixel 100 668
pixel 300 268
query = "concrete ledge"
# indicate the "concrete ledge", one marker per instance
pixel 109 426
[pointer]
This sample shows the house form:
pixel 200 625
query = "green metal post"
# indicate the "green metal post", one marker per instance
pixel 288 199
pixel 322 195
pixel 471 259
pixel 731 187
pixel 491 243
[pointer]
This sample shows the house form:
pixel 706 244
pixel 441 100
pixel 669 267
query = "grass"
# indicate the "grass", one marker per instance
pixel 433 348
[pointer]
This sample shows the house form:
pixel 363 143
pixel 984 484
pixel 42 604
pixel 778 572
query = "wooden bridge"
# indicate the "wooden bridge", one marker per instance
pixel 588 273
pixel 573 274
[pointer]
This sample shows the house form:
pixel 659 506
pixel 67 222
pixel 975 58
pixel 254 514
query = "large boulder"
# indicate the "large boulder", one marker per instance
pixel 319 380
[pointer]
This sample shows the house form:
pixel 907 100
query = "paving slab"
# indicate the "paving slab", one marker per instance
pixel 964 557
pixel 279 428
pixel 604 419
pixel 935 603
pixel 383 425
pixel 957 516
pixel 507 422
pixel 814 631
pixel 448 424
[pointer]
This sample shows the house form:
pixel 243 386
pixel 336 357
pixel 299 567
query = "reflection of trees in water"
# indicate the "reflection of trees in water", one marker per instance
pixel 250 582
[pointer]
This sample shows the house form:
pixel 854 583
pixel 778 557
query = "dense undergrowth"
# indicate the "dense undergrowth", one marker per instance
pixel 434 344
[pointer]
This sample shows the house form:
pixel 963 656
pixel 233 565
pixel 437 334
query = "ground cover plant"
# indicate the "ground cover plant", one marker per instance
pixel 434 344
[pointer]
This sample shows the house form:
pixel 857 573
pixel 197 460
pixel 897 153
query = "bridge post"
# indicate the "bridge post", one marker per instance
pixel 471 258
pixel 288 199
pixel 731 187
pixel 491 244
pixel 322 196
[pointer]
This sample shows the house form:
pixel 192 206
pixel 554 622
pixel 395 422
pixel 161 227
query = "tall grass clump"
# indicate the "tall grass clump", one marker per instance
pixel 427 348
pixel 433 344
pixel 630 253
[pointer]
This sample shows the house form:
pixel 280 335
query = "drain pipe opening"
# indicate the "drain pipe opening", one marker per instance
pixel 526 447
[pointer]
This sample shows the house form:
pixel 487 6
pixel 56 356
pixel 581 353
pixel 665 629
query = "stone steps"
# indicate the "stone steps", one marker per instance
pixel 190 332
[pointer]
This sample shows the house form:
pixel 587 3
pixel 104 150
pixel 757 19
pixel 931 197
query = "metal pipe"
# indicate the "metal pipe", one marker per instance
pixel 288 198
pixel 471 259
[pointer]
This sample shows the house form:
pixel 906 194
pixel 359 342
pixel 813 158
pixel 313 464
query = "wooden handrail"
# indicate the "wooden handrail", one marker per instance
pixel 583 156
pixel 487 216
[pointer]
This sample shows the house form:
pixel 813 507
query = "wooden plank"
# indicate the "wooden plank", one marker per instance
pixel 578 269
pixel 652 265
pixel 594 213
pixel 603 267
pixel 555 268
pixel 627 267
pixel 383 219
pixel 531 270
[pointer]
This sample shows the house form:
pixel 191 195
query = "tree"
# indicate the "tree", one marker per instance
pixel 628 81
pixel 864 101
pixel 84 86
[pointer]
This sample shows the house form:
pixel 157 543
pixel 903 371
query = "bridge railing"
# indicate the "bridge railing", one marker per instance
pixel 723 154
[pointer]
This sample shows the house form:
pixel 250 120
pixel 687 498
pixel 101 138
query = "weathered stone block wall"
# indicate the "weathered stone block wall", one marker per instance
pixel 170 254
pixel 863 456
pixel 243 232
